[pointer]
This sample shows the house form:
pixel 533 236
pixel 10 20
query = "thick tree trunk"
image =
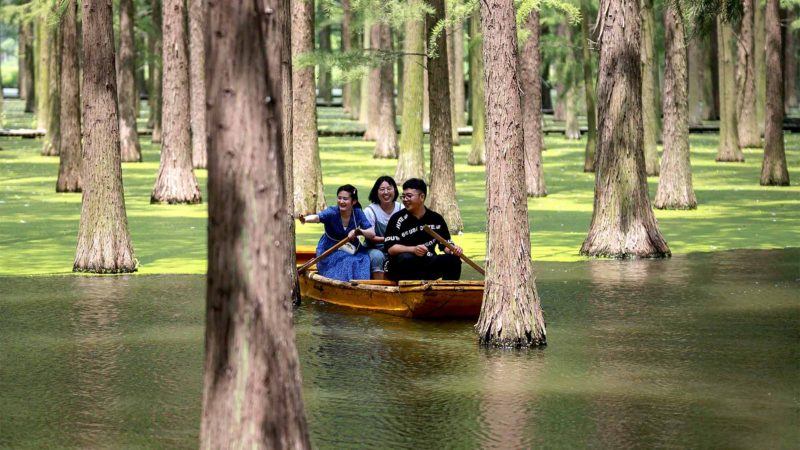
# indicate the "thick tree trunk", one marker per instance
pixel 373 86
pixel 398 48
pixel 156 93
pixel 104 244
pixel 411 159
pixel 511 315
pixel 588 83
pixel 759 27
pixel 729 150
pixel 651 107
pixel 69 170
pixel 252 396
pixel 773 169
pixel 52 139
pixel 347 15
pixel 126 82
pixel 623 224
pixel 477 154
pixel 197 84
pixel 789 61
pixel 325 86
pixel 176 182
pixel 530 62
pixel 749 135
pixel 675 189
pixel 459 95
pixel 386 133
pixel 308 194
pixel 698 108
pixel 443 178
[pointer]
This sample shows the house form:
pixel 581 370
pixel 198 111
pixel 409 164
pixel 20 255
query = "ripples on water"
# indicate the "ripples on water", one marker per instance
pixel 697 351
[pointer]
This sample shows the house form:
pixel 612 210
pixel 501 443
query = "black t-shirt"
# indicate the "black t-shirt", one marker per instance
pixel 405 229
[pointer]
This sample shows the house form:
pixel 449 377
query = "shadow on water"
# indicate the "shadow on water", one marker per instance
pixel 692 351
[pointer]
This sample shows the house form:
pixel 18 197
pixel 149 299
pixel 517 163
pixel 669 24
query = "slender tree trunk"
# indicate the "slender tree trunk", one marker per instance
pixel 373 86
pixel 651 108
pixel 547 86
pixel 790 61
pixel 52 139
pixel 588 83
pixel 530 62
pixel 675 189
pixel 40 54
pixel 325 87
pixel 749 136
pixel 347 15
pixel 623 224
pixel 773 170
pixel 197 84
pixel 713 86
pixel 458 76
pixel 104 244
pixel 759 26
pixel 355 84
pixel 29 68
pixel 69 170
pixel 308 194
pixel 729 150
pixel 21 68
pixel 386 132
pixel 572 129
pixel 363 114
pixel 511 315
pixel 128 100
pixel 451 69
pixel 176 182
pixel 252 396
pixel 156 38
pixel 443 178
pixel 698 108
pixel 477 154
pixel 411 159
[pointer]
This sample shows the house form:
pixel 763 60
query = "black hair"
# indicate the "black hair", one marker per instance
pixel 373 194
pixel 416 183
pixel 350 189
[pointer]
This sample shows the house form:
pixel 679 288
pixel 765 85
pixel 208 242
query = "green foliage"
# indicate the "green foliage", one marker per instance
pixel 700 15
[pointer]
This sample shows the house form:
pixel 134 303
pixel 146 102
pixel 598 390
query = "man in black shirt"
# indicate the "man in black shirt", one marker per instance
pixel 412 252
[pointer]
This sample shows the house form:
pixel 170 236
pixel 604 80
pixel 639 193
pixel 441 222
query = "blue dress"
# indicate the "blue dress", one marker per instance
pixel 341 265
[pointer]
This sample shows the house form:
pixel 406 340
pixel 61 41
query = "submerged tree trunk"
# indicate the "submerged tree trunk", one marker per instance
pixel 308 194
pixel 789 61
pixel 69 170
pixel 411 159
pixel 477 154
pixel 773 169
pixel 52 139
pixel 157 70
pixel 511 315
pixel 698 108
pixel 623 224
pixel 675 189
pixel 252 395
pixel 176 182
pixel 126 93
pixel 651 108
pixel 749 135
pixel 104 244
pixel 386 132
pixel 760 62
pixel 530 62
pixel 729 150
pixel 588 83
pixel 373 86
pixel 443 178
pixel 27 63
pixel 197 84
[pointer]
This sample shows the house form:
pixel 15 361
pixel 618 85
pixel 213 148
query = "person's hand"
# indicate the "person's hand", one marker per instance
pixel 458 251
pixel 301 218
pixel 420 250
pixel 352 234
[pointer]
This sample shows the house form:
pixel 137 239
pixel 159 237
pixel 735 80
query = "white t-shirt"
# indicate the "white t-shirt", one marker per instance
pixel 376 214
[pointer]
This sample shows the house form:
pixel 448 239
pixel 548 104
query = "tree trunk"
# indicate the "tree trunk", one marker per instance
pixel 530 62
pixel 27 63
pixel 21 68
pixel 156 39
pixel 511 315
pixel 698 108
pixel 52 139
pixel 197 57
pixel 176 182
pixel 451 69
pixel 458 76
pixel 713 86
pixel 411 159
pixel 675 189
pixel 104 244
pixel 651 108
pixel 789 61
pixel 623 224
pixel 126 82
pixel 729 150
pixel 386 132
pixel 325 87
pixel 443 178
pixel 773 170
pixel 759 27
pixel 363 114
pixel 373 86
pixel 398 48
pixel 588 83
pixel 308 194
pixel 572 129
pixel 426 112
pixel 749 136
pixel 252 396
pixel 477 154
pixel 69 170
pixel 347 14
pixel 40 55
pixel 547 95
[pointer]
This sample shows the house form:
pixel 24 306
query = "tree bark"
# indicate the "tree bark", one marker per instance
pixel 511 315
pixel 373 86
pixel 40 55
pixel 104 244
pixel 128 100
pixel 451 69
pixel 530 61
pixel 458 76
pixel 729 150
pixel 713 86
pixel 308 194
pixel 347 14
pixel 623 224
pixel 698 108
pixel 651 107
pixel 760 62
pixel 27 63
pixel 52 139
pixel 325 86
pixel 443 178
pixel 156 93
pixel 588 83
pixel 176 182
pixel 386 132
pixel 363 114
pixel 252 396
pixel 749 135
pixel 411 159
pixel 69 170
pixel 477 154
pixel 567 105
pixel 774 171
pixel 789 61
pixel 675 189
pixel 197 84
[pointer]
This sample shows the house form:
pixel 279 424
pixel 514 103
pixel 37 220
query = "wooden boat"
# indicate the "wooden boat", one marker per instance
pixel 413 299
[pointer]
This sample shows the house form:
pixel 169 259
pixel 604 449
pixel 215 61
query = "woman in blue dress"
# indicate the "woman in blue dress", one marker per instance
pixel 346 219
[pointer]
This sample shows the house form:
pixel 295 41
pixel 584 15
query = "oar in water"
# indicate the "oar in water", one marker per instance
pixel 325 254
pixel 442 241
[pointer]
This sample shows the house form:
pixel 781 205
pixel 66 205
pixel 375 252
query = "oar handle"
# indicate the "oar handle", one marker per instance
pixel 325 254
pixel 442 241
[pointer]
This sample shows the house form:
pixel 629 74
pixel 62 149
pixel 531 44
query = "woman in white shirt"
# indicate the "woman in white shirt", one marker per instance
pixel 383 204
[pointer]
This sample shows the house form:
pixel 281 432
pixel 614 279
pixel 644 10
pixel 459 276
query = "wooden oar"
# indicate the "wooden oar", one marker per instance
pixel 324 254
pixel 442 241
